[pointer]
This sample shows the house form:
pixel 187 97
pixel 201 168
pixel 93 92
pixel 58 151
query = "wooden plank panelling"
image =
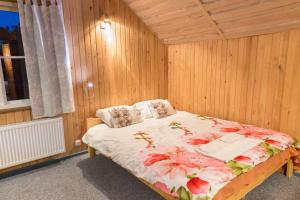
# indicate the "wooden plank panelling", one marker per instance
pixel 252 80
pixel 126 63
pixel 290 110
pixel 178 22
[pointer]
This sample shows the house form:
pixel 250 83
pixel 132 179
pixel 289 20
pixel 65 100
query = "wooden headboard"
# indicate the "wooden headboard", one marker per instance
pixel 90 122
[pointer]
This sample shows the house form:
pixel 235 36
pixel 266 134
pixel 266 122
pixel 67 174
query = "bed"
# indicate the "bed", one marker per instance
pixel 164 154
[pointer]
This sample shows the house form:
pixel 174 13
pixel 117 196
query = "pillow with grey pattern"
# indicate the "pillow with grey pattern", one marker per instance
pixel 161 108
pixel 124 116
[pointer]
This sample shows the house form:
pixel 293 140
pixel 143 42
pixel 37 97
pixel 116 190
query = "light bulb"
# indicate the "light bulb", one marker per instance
pixel 90 85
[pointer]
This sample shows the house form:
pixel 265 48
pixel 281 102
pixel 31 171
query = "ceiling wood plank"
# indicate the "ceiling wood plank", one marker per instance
pixel 213 23
pixel 175 21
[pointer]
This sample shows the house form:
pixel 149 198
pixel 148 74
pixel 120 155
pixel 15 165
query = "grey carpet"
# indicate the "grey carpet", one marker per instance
pixel 81 178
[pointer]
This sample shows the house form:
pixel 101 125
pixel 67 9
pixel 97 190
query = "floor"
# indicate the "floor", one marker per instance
pixel 80 178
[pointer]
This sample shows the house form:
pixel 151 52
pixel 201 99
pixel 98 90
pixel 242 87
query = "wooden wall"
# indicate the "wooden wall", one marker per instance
pixel 126 63
pixel 252 80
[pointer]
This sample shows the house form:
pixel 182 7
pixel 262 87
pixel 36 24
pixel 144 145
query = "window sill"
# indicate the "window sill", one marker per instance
pixel 15 105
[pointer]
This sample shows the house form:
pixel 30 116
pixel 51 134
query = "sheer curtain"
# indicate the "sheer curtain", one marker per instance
pixel 47 58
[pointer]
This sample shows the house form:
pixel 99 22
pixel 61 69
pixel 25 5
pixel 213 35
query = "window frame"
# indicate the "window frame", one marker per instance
pixel 14 104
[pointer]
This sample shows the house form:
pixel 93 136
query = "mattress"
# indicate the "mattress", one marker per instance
pixel 165 152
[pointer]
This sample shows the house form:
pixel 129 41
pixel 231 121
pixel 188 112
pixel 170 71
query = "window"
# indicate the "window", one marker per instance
pixel 13 79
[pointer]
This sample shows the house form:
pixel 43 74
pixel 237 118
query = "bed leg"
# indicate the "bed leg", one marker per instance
pixel 92 152
pixel 289 168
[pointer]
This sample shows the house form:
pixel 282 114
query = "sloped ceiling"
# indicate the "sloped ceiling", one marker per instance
pixel 179 21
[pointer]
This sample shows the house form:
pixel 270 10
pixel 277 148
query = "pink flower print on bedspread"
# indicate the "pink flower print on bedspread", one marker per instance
pixel 194 186
pixel 216 175
pixel 176 161
pixel 198 186
pixel 155 157
pixel 229 129
pixel 281 140
pixel 223 126
pixel 200 138
pixel 197 141
pixel 194 138
pixel 275 143
pixel 163 187
pixel 253 157
pixel 255 132
pixel 243 159
pixel 275 138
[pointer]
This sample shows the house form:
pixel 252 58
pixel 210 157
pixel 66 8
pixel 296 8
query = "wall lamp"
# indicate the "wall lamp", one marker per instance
pixel 104 21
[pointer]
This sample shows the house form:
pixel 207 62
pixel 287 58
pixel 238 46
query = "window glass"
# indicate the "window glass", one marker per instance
pixel 13 68
pixel 10 33
pixel 15 79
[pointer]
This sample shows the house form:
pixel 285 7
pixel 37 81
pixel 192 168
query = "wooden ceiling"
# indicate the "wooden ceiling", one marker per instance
pixel 179 21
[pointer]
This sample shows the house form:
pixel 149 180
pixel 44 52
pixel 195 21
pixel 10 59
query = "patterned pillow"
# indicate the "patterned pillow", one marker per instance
pixel 105 116
pixel 161 108
pixel 122 117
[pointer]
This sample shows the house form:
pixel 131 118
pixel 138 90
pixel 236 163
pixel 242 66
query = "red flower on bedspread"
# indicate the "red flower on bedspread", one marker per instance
pixel 163 187
pixel 255 132
pixel 229 130
pixel 243 159
pixel 257 155
pixel 198 186
pixel 155 157
pixel 273 142
pixel 262 133
pixel 200 138
pixel 197 141
pixel 223 125
pixel 271 137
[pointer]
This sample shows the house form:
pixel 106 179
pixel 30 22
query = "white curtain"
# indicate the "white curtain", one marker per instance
pixel 47 58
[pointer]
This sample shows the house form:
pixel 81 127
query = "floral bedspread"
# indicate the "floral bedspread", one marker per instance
pixel 163 152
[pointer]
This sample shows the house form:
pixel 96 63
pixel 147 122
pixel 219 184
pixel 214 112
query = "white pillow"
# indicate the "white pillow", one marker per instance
pixel 161 108
pixel 143 106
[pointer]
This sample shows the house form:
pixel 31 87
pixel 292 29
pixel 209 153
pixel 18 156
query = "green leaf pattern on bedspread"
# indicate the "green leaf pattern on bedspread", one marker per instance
pixel 237 167
pixel 145 136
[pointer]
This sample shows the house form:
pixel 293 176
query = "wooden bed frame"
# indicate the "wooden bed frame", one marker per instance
pixel 90 122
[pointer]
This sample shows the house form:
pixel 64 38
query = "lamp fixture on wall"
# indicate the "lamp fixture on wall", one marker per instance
pixel 104 21
pixel 90 85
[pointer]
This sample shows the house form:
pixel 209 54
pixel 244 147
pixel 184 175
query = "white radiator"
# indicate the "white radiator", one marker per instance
pixel 25 142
